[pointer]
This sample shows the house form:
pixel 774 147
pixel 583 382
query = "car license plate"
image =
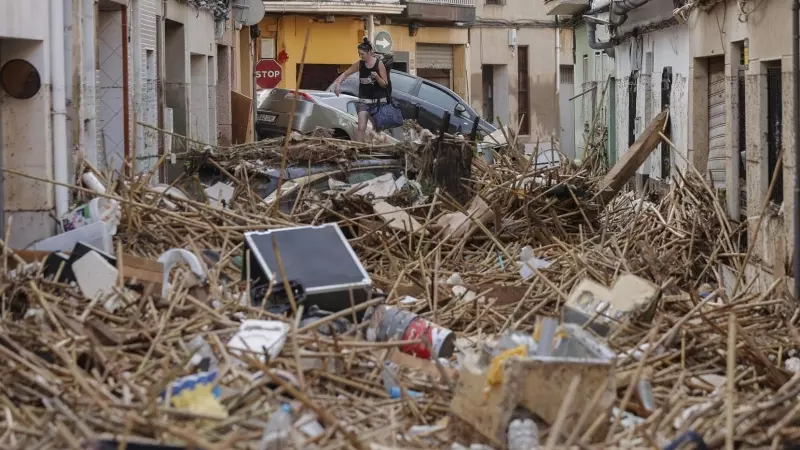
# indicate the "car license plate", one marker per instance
pixel 264 117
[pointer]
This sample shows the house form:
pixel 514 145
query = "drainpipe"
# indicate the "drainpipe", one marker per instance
pixel 557 100
pixel 620 9
pixel 591 32
pixel 129 152
pixel 59 105
pixel 371 28
pixel 796 118
pixel 558 59
pixel 617 15
pixel 89 85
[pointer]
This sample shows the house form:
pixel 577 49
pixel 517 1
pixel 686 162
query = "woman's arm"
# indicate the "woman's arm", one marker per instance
pixel 350 70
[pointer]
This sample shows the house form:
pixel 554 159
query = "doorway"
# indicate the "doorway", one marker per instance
pixel 175 93
pixel 665 151
pixel 523 99
pixel 112 86
pixel 438 76
pixel 633 83
pixel 774 127
pixel 717 125
pixel 566 116
pixel 317 76
pixel 487 77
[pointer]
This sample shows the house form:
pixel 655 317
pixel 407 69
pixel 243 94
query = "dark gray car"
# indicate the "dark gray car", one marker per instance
pixel 427 102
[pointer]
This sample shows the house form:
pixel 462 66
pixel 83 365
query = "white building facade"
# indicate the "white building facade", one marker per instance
pixel 111 74
pixel 32 118
pixel 652 70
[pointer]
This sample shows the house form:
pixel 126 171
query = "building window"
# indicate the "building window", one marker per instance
pixel 774 127
pixel 586 69
pixel 666 91
pixel 487 76
pixel 524 113
pixel 598 66
pixel 494 2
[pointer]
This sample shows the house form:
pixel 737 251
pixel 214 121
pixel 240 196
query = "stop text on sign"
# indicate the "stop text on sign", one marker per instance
pixel 268 74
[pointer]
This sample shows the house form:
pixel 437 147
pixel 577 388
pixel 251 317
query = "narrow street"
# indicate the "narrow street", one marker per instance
pixel 399 224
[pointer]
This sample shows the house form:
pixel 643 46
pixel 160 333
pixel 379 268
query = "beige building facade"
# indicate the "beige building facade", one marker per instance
pixel 515 55
pixel 752 53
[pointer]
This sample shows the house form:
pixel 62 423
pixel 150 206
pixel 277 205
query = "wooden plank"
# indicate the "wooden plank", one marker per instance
pixel 631 160
pixel 241 116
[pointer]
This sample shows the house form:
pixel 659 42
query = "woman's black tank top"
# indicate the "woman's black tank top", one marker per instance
pixel 369 88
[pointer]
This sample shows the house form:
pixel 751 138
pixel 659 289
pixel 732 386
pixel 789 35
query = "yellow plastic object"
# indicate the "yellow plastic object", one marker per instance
pixel 200 399
pixel 494 375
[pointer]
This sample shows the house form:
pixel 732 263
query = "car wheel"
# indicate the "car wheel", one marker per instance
pixel 341 134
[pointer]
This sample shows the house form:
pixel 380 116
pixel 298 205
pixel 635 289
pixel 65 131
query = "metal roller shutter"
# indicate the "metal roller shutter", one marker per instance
pixel 716 121
pixel 434 56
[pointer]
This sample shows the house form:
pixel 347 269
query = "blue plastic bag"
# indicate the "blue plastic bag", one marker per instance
pixel 386 116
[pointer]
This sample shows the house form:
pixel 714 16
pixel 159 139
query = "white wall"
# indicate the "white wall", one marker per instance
pixel 201 49
pixel 26 19
pixel 670 47
pixel 26 141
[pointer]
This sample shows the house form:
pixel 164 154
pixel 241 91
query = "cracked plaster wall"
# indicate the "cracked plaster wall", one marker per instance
pixel 721 31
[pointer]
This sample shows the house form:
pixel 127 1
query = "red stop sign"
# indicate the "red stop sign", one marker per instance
pixel 268 73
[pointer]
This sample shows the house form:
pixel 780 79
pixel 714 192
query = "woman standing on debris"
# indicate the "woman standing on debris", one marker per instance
pixel 373 81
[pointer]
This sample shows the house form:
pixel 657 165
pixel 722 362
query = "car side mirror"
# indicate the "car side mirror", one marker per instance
pixel 460 108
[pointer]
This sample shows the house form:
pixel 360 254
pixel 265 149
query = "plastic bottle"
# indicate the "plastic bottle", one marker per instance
pixel 389 374
pixel 523 434
pixel 91 181
pixel 278 432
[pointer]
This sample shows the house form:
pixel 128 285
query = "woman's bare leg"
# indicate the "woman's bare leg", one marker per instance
pixel 363 118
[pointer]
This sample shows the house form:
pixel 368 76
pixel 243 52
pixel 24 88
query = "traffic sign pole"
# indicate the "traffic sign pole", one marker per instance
pixel 255 91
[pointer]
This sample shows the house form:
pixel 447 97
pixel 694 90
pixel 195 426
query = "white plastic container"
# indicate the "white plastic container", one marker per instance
pixel 97 210
pixel 96 235
pixel 91 181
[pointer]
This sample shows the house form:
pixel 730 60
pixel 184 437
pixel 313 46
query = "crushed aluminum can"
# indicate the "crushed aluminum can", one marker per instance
pixel 393 324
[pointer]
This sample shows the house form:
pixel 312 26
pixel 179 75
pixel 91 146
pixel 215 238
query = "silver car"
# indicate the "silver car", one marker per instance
pixel 314 109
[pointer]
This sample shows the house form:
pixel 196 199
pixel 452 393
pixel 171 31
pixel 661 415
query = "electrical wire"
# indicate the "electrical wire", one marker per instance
pixel 743 13
pixel 502 23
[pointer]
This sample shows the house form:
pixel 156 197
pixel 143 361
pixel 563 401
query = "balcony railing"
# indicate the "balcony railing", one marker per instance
pixel 466 3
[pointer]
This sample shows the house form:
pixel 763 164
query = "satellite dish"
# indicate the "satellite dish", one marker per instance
pixel 248 12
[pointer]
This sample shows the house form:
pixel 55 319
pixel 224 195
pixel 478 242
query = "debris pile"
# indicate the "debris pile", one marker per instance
pixel 524 306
